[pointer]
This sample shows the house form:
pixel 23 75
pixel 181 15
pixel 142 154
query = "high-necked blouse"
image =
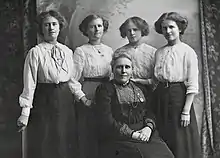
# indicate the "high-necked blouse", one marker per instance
pixel 142 58
pixel 48 63
pixel 177 63
pixel 92 61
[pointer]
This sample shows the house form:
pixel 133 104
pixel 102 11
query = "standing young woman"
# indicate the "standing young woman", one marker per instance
pixel 46 100
pixel 176 69
pixel 134 29
pixel 92 67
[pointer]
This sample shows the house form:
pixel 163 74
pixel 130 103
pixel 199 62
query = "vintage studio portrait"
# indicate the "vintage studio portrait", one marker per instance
pixel 110 79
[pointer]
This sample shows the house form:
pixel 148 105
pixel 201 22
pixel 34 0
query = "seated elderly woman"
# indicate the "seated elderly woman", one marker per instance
pixel 126 126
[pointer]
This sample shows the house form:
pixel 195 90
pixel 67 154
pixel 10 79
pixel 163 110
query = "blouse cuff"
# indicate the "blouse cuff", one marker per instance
pixel 25 111
pixel 191 90
pixel 150 123
pixel 78 95
pixel 24 103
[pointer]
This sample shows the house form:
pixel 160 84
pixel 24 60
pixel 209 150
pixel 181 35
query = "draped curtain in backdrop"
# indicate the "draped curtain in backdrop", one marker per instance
pixel 210 31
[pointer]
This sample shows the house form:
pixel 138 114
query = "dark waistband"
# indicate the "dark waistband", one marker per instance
pixel 93 79
pixel 52 84
pixel 168 84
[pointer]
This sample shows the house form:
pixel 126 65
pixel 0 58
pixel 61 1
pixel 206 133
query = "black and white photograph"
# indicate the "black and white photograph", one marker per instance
pixel 110 79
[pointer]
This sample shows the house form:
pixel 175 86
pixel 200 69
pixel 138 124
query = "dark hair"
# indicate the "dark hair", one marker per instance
pixel 139 22
pixel 181 21
pixel 84 24
pixel 119 55
pixel 53 13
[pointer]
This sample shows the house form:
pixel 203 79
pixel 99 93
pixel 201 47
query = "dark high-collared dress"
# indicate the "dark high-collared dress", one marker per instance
pixel 120 110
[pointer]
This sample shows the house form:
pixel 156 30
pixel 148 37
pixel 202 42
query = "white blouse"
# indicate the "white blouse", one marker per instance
pixel 92 61
pixel 48 63
pixel 142 58
pixel 177 63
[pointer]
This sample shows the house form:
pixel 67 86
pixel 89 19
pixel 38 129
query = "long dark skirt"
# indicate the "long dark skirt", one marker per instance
pixel 87 135
pixel 155 148
pixel 51 132
pixel 168 103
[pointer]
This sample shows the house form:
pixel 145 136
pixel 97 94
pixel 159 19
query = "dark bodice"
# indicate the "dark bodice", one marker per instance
pixel 122 109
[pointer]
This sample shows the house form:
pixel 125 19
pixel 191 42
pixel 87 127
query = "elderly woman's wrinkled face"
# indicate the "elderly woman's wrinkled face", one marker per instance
pixel 95 29
pixel 50 28
pixel 122 70
pixel 170 30
pixel 133 33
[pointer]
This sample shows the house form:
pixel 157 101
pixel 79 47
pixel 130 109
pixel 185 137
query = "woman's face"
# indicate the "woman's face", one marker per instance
pixel 133 33
pixel 170 30
pixel 122 70
pixel 95 29
pixel 50 28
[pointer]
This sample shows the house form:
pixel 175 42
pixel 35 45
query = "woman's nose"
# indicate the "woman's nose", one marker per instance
pixel 123 70
pixel 168 30
pixel 131 32
pixel 96 28
pixel 50 27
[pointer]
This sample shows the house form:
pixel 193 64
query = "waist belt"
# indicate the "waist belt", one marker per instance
pixel 93 79
pixel 52 84
pixel 168 84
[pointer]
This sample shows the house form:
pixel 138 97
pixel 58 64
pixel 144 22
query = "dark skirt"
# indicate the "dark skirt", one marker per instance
pixel 51 132
pixel 155 148
pixel 168 103
pixel 87 133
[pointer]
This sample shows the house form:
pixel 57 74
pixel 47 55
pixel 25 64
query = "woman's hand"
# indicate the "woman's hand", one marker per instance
pixel 86 102
pixel 136 136
pixel 145 134
pixel 185 115
pixel 22 122
pixel 185 119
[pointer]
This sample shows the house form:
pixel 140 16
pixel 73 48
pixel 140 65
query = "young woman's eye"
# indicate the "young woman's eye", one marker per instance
pixel 90 27
pixel 164 28
pixel 100 25
pixel 119 67
pixel 135 29
pixel 46 24
pixel 54 23
pixel 127 66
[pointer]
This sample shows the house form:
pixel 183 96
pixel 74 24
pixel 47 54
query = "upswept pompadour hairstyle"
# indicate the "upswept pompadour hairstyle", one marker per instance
pixel 181 21
pixel 84 24
pixel 139 22
pixel 40 18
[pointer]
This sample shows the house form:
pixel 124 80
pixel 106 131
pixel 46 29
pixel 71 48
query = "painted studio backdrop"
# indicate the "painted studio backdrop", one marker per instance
pixel 116 12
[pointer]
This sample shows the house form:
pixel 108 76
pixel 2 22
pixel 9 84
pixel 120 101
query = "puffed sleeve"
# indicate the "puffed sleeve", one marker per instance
pixel 79 63
pixel 74 85
pixel 29 80
pixel 78 66
pixel 153 51
pixel 106 121
pixel 192 72
pixel 152 80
